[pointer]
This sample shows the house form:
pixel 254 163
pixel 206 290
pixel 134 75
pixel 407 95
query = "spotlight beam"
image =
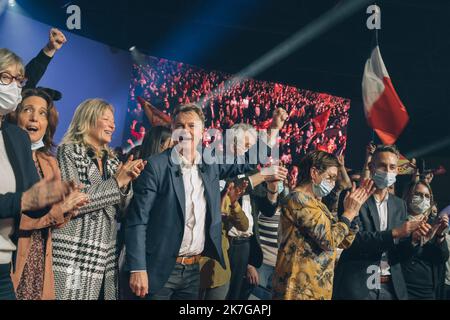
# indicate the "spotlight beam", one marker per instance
pixel 316 28
pixel 428 149
pixel 137 56
pixel 319 26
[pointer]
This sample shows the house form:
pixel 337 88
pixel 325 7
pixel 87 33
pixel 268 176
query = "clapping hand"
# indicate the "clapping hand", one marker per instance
pixel 356 198
pixel 129 171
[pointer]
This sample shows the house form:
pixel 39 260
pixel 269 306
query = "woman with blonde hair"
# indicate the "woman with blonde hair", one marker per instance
pixel 85 254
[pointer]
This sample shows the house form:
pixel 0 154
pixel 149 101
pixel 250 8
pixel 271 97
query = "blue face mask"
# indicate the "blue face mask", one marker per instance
pixel 323 188
pixel 37 145
pixel 280 187
pixel 384 179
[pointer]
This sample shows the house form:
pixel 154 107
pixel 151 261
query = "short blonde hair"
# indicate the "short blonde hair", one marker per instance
pixel 84 119
pixel 9 58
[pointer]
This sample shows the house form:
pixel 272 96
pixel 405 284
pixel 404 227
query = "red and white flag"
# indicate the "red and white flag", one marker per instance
pixel 384 111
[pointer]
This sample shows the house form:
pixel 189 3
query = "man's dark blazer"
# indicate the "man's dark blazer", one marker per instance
pixel 155 219
pixel 351 274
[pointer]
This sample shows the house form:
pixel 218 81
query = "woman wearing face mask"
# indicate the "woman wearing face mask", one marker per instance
pixel 20 189
pixel 33 277
pixel 422 270
pixel 310 234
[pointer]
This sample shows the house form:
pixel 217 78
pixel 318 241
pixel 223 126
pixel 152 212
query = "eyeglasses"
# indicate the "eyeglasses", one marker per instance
pixel 331 180
pixel 422 195
pixel 6 79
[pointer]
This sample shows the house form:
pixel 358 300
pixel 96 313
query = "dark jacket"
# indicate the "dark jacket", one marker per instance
pixel 18 149
pixel 423 270
pixel 353 272
pixel 36 68
pixel 155 221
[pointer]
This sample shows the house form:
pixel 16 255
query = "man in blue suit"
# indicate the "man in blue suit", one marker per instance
pixel 175 214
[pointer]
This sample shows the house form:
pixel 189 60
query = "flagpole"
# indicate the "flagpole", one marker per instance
pixel 305 124
pixel 376 30
pixel 375 38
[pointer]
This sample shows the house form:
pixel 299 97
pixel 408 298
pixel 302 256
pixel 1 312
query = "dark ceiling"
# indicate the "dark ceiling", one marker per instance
pixel 228 35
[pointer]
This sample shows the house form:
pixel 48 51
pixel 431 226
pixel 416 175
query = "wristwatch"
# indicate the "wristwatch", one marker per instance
pixel 272 192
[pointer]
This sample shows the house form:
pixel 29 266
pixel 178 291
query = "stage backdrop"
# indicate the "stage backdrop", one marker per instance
pixel 82 69
pixel 85 69
pixel 316 120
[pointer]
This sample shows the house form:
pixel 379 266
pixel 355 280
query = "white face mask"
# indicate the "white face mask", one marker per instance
pixel 38 144
pixel 323 188
pixel 384 179
pixel 419 205
pixel 10 97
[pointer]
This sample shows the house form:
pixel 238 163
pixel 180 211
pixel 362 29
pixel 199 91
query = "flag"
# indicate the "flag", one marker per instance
pixel 264 125
pixel 155 116
pixel 322 147
pixel 341 149
pixel 277 88
pixel 320 122
pixel 384 111
pixel 405 167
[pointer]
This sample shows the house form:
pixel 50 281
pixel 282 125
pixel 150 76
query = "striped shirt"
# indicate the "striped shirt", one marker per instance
pixel 268 237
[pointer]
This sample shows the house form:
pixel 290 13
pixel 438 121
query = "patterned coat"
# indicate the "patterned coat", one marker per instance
pixel 310 235
pixel 84 251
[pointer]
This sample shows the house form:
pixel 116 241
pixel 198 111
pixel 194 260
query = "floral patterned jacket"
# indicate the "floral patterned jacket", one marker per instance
pixel 309 237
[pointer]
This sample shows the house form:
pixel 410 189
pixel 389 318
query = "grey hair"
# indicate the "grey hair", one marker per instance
pixel 9 58
pixel 242 126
